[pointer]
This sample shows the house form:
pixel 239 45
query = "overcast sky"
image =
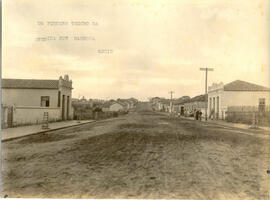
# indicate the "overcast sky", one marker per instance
pixel 158 45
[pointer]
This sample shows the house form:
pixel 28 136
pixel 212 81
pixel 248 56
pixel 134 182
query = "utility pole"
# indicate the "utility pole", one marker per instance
pixel 206 69
pixel 171 92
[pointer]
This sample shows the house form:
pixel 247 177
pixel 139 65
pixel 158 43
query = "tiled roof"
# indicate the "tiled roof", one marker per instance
pixel 239 85
pixel 29 84
pixel 199 98
pixel 121 103
pixel 111 102
pixel 181 100
pixel 107 104
pixel 165 101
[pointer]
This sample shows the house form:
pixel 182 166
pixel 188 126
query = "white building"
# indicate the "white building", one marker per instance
pixel 116 106
pixel 24 101
pixel 236 93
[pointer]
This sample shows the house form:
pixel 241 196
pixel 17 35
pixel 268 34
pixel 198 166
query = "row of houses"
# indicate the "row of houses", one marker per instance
pixel 89 109
pixel 106 106
pixel 220 99
pixel 99 109
pixel 32 101
pixel 24 101
pixel 119 105
pixel 184 105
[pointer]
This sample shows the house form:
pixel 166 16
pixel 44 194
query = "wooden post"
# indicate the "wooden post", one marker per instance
pixel 268 174
pixel 206 98
pixel 171 92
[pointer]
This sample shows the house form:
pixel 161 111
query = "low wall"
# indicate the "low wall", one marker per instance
pixel 248 117
pixel 34 115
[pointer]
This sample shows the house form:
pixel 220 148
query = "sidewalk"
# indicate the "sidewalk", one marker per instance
pixel 229 124
pixel 11 133
pixel 237 125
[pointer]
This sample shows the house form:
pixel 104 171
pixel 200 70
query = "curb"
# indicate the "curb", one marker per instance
pixel 227 126
pixel 248 129
pixel 46 131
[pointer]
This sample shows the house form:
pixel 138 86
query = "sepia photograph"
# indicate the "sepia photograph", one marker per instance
pixel 135 99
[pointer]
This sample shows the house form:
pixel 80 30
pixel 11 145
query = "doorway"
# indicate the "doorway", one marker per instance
pixel 10 117
pixel 217 108
pixel 182 110
pixel 67 107
pixel 63 107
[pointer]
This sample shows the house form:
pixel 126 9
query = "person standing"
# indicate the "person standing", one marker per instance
pixel 197 115
pixel 200 115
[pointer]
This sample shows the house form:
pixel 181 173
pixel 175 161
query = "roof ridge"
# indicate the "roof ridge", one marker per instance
pixel 239 85
pixel 30 83
pixel 29 79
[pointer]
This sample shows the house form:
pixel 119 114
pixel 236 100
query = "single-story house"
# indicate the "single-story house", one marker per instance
pixel 178 104
pixel 129 103
pixel 24 101
pixel 133 100
pixel 196 103
pixel 106 106
pixel 164 105
pixel 155 102
pixel 125 102
pixel 236 93
pixel 116 106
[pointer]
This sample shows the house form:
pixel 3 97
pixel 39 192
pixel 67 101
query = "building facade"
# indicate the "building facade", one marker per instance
pixel 116 106
pixel 196 103
pixel 24 101
pixel 236 93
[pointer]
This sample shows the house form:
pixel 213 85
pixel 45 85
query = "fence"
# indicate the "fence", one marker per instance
pixel 247 115
pixel 89 114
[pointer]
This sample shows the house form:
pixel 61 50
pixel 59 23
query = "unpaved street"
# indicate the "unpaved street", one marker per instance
pixel 139 155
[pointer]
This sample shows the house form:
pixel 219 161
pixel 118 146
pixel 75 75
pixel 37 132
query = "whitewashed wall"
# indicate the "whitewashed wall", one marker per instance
pixel 28 97
pixel 116 107
pixel 236 98
pixel 34 115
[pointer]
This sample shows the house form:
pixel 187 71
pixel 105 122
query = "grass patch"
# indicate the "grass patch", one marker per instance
pixel 44 137
pixel 136 126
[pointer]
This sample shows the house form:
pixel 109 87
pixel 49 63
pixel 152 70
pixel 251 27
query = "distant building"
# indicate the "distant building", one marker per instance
pixel 97 101
pixel 236 93
pixel 116 106
pixel 178 104
pixel 164 105
pixel 75 100
pixel 196 103
pixel 24 101
pixel 83 102
pixel 119 105
pixel 129 103
pixel 155 102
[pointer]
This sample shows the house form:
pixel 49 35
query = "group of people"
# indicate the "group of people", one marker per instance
pixel 198 115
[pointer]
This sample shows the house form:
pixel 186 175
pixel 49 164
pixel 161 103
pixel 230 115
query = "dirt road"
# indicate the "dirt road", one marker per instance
pixel 140 155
